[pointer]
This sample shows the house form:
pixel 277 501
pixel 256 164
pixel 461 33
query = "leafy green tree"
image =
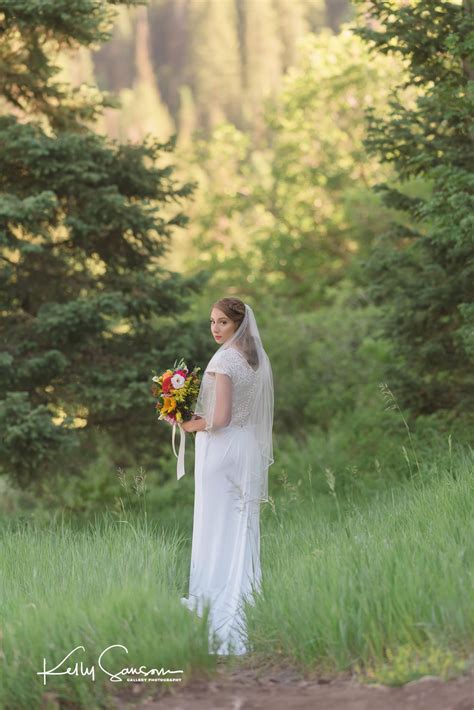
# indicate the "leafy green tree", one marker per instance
pixel 224 55
pixel 292 215
pixel 422 270
pixel 87 307
pixel 319 192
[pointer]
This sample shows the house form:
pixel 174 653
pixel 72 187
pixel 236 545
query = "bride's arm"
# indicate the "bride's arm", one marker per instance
pixel 223 404
pixel 222 409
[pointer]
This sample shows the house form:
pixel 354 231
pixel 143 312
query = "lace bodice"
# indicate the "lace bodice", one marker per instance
pixel 233 363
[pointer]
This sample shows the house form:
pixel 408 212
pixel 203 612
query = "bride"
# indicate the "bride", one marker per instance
pixel 233 420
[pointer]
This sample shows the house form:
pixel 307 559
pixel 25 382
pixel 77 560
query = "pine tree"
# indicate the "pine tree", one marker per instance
pixel 84 227
pixel 423 270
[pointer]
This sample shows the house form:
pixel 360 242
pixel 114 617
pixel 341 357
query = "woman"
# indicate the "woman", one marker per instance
pixel 234 448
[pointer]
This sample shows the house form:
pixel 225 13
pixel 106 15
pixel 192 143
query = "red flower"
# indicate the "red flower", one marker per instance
pixel 166 384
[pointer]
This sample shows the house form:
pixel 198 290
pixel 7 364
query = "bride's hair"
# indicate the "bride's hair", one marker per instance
pixel 234 309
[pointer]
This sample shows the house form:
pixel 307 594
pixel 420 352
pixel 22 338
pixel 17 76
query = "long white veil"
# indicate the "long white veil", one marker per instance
pixel 247 340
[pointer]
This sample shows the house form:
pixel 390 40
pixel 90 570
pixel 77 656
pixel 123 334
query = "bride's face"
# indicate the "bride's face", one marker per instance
pixel 222 327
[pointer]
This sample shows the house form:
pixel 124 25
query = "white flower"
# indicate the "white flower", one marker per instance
pixel 178 381
pixel 155 378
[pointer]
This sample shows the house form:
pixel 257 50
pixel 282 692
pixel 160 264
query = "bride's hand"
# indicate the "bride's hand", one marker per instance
pixel 187 426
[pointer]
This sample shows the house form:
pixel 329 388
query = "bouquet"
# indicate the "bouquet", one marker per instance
pixel 177 390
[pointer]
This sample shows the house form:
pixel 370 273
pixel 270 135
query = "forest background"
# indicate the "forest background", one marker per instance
pixel 314 159
pixel 308 157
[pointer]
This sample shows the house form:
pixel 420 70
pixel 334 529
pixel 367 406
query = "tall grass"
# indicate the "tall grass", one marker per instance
pixel 381 584
pixel 115 582
pixel 393 574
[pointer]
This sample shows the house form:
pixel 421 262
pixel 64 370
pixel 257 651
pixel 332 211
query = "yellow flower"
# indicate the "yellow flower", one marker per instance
pixel 169 405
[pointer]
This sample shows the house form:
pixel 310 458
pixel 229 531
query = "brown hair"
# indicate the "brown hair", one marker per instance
pixel 234 309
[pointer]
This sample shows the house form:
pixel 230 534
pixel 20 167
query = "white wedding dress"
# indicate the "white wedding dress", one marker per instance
pixel 225 557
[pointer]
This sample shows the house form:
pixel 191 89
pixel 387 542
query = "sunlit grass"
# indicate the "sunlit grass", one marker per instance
pixel 380 585
pixel 116 582
pixel 394 574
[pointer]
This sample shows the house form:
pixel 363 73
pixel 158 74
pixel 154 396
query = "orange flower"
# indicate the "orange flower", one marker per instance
pixel 169 405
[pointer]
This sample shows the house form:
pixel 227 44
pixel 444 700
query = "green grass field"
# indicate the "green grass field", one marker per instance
pixel 381 586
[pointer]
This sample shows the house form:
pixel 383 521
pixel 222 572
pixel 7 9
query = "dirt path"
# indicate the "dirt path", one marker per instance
pixel 247 689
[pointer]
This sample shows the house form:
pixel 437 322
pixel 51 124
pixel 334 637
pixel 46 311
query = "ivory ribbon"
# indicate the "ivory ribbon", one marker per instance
pixel 180 456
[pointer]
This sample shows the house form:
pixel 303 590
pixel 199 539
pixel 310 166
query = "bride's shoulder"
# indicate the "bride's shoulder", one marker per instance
pixel 221 359
pixel 226 353
pixel 233 355
pixel 227 358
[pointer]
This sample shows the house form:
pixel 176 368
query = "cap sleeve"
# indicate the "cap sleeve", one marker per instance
pixel 221 363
